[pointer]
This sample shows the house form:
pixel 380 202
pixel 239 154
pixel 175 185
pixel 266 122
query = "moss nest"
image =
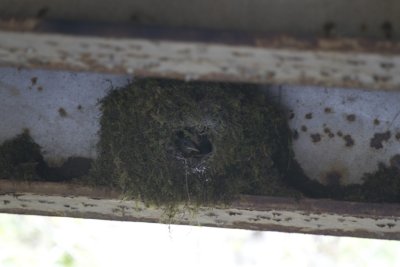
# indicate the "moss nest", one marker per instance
pixel 169 142
pixel 382 185
pixel 20 158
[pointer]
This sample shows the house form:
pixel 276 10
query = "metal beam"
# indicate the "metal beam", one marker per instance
pixel 356 18
pixel 278 60
pixel 325 217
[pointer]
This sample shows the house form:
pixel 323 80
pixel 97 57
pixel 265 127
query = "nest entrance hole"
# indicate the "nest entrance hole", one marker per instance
pixel 192 144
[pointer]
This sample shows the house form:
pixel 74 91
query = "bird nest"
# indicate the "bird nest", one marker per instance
pixel 167 141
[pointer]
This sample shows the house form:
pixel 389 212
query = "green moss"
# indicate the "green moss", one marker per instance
pixel 20 158
pixel 169 142
pixel 381 186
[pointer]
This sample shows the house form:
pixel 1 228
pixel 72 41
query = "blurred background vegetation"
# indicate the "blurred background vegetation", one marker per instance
pixel 52 241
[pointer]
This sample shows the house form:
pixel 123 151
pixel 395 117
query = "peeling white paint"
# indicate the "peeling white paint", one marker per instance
pixel 293 220
pixel 200 61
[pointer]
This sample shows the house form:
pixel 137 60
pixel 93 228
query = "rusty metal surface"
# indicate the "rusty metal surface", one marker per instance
pixel 201 61
pixel 257 213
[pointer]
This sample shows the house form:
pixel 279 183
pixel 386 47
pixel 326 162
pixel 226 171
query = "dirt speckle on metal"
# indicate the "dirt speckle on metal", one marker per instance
pixel 308 116
pixel 351 117
pixel 378 139
pixel 328 132
pixel 315 137
pixel 34 80
pixel 62 112
pixel 349 141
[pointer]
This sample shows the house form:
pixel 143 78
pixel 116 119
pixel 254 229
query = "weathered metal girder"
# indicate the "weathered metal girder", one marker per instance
pixel 202 55
pixel 325 217
pixel 357 18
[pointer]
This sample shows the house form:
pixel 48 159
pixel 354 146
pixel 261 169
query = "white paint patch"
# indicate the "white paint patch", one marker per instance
pixel 325 112
pixel 33 99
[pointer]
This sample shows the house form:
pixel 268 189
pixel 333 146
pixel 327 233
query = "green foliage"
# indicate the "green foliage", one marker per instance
pixel 66 260
pixel 169 142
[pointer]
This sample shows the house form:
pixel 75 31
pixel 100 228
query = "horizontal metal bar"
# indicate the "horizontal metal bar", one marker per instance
pixel 361 18
pixel 279 60
pixel 249 212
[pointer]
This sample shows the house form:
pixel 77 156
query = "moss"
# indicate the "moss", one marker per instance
pixel 168 142
pixel 380 186
pixel 20 158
